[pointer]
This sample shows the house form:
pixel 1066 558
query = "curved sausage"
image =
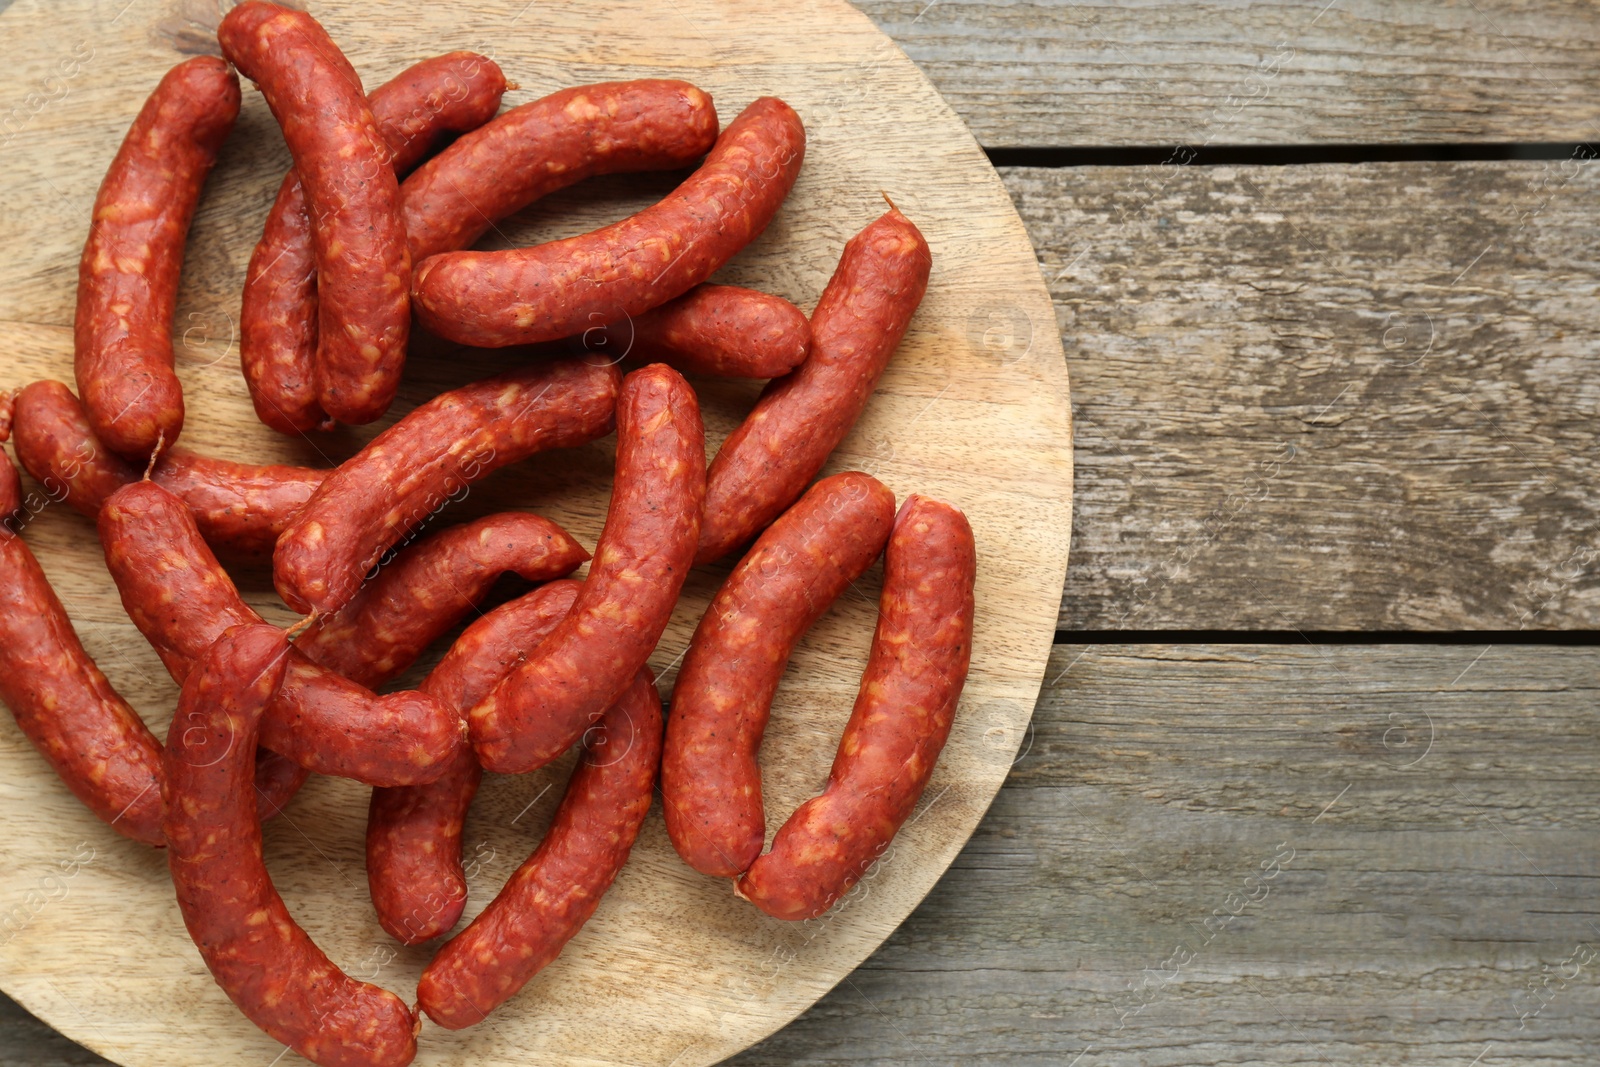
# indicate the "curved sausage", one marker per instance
pixel 182 600
pixel 128 276
pixel 716 330
pixel 10 493
pixel 639 565
pixel 352 196
pixel 549 144
pixel 95 741
pixel 278 319
pixel 427 589
pixel 416 466
pixel 241 508
pixel 414 832
pixel 57 446
pixel 901 719
pixel 765 464
pixel 554 893
pixel 266 964
pixel 710 778
pixel 527 295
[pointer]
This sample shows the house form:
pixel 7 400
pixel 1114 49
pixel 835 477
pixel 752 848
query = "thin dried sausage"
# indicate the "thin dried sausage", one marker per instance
pixel 427 589
pixel 10 493
pixel 639 566
pixel 263 961
pixel 710 777
pixel 128 276
pixel 915 672
pixel 241 508
pixel 716 330
pixel 414 867
pixel 96 742
pixel 549 144
pixel 278 319
pixel 181 599
pixel 557 889
pixel 554 290
pixel 764 465
pixel 419 464
pixel 363 269
pixel 57 446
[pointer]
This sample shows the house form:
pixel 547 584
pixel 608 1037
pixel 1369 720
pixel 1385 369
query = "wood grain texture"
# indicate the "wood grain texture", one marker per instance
pixel 1329 397
pixel 1152 72
pixel 672 968
pixel 1027 73
pixel 1445 826
pixel 1444 823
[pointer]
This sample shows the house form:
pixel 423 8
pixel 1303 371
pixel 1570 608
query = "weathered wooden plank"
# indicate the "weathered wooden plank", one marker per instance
pixel 1443 823
pixel 1330 397
pixel 27 1042
pixel 1435 820
pixel 1149 72
pixel 1098 72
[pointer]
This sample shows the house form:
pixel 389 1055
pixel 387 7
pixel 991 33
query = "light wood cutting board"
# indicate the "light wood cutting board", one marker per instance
pixel 673 969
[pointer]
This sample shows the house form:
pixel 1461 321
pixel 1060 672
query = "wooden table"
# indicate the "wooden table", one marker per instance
pixel 1313 776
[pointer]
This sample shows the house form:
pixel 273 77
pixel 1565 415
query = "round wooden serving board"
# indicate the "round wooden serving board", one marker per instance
pixel 672 969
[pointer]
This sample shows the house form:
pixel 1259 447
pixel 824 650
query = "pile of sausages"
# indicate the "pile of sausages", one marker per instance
pixel 372 226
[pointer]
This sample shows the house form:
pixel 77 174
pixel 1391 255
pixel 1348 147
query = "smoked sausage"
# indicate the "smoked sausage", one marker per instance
pixel 410 602
pixel 416 466
pixel 10 493
pixel 639 565
pixel 902 716
pixel 128 276
pixel 414 832
pixel 535 149
pixel 278 319
pixel 98 745
pixel 554 290
pixel 263 961
pixel 717 330
pixel 710 778
pixel 764 465
pixel 554 893
pixel 181 599
pixel 352 196
pixel 241 508
pixel 93 739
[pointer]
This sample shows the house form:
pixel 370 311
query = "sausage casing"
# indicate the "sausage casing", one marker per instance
pixel 352 196
pixel 548 144
pixel 93 739
pixel 558 289
pixel 902 716
pixel 639 565
pixel 429 587
pixel 128 276
pixel 182 600
pixel 413 468
pixel 557 889
pixel 241 508
pixel 264 962
pixel 710 777
pixel 278 318
pixel 764 465
pixel 414 832
pixel 717 330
